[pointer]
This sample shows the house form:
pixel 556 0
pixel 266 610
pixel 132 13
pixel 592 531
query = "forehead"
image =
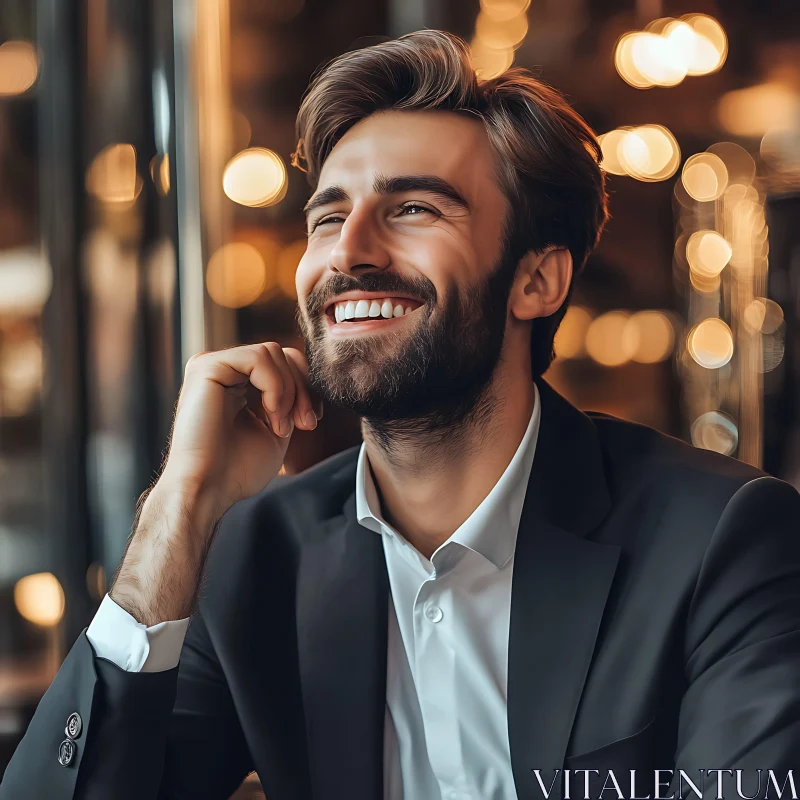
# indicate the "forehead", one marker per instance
pixel 443 143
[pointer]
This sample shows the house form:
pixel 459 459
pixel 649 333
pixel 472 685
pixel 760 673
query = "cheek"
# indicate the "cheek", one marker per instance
pixel 306 277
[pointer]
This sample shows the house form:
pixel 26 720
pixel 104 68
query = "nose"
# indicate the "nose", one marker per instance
pixel 359 245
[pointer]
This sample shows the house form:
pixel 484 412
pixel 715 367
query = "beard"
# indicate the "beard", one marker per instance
pixel 433 377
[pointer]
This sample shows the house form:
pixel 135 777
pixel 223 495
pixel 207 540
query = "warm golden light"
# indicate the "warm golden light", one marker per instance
pixel 504 9
pixel 19 66
pixel 715 431
pixel 755 110
pixel 704 176
pixel 781 148
pixel 489 63
pixel 570 341
pixel 112 176
pixel 669 50
pixel 39 599
pixel 705 284
pixel 625 62
pixel 658 60
pixel 763 316
pixel 740 165
pixel 710 343
pixel 654 334
pixel 707 27
pixel 236 275
pixel 159 172
pixel 610 143
pixel 501 33
pixel 708 253
pixel 649 153
pixel 709 48
pixel 610 340
pixel 287 264
pixel 255 177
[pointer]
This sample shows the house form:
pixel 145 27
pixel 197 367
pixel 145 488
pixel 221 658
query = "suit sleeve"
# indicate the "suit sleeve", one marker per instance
pixel 145 736
pixel 741 709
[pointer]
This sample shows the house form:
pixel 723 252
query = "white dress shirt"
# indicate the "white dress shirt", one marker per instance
pixel 446 726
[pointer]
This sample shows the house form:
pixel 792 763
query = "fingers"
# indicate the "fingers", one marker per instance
pixel 279 375
pixel 304 415
pixel 298 360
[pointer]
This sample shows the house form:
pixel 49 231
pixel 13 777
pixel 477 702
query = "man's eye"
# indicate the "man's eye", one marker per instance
pixel 401 209
pixel 418 207
pixel 316 224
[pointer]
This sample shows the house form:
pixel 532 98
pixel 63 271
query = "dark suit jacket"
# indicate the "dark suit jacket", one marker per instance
pixel 655 624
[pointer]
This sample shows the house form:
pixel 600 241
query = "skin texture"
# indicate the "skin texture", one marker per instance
pixel 445 394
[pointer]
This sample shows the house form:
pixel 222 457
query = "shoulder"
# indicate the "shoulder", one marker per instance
pixel 275 522
pixel 672 482
pixel 636 453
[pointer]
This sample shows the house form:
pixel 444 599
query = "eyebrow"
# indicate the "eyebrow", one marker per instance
pixel 396 184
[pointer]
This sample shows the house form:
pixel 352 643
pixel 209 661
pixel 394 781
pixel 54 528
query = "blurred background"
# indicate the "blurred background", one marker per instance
pixel 147 212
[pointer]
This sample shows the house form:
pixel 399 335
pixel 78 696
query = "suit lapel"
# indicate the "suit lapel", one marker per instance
pixel 560 586
pixel 342 607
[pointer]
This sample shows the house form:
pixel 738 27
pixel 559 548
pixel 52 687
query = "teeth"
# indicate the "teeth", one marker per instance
pixel 369 309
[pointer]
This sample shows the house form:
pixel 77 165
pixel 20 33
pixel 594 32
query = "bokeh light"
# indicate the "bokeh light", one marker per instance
pixel 655 336
pixel 499 34
pixel 753 111
pixel 708 253
pixel 649 153
pixel 159 172
pixel 112 176
pixel 39 599
pixel 670 49
pixel 610 340
pixel 710 343
pixel 488 62
pixel 715 431
pixel 288 261
pixel 504 9
pixel 255 177
pixel 19 67
pixel 570 341
pixel 704 176
pixel 236 275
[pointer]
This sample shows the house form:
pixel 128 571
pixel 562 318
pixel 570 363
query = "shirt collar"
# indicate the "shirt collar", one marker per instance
pixel 491 529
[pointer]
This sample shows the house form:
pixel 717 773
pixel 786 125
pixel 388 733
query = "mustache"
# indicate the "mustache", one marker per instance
pixel 385 283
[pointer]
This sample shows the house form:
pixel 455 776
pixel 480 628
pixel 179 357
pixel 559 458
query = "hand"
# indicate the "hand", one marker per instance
pixel 225 447
pixel 235 416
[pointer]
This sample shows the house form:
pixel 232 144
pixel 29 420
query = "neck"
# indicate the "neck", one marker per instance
pixel 431 480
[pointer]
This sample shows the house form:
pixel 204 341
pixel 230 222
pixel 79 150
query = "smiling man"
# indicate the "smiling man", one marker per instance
pixel 495 595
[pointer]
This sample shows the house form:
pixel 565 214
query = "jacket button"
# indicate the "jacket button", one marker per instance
pixel 74 725
pixel 66 752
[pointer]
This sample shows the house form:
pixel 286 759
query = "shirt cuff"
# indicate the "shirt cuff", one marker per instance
pixel 117 637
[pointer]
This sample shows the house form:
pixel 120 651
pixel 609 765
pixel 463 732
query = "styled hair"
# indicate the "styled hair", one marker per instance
pixel 547 156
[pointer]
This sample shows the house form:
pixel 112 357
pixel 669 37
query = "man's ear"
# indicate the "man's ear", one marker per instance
pixel 541 284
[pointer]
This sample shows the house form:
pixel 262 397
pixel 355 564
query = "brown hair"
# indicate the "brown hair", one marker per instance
pixel 547 156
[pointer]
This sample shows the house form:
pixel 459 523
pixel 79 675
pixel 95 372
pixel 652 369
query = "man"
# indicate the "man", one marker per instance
pixel 495 588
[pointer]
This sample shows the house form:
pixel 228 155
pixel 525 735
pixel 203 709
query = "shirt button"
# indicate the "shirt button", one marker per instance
pixel 74 725
pixel 66 752
pixel 434 613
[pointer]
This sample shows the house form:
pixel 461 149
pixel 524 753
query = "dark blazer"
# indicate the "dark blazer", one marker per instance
pixel 655 624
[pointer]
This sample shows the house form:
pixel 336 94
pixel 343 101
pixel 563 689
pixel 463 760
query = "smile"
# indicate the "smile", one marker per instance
pixel 366 314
